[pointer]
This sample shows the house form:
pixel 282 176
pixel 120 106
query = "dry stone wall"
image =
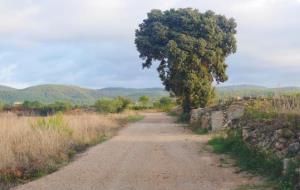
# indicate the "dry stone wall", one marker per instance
pixel 278 135
pixel 218 117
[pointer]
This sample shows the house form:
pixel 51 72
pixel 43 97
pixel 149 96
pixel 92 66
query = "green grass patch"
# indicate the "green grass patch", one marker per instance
pixel 250 159
pixel 201 131
pixel 135 118
pixel 183 118
pixel 172 113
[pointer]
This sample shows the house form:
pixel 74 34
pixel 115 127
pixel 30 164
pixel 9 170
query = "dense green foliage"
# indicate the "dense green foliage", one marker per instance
pixel 144 100
pixel 105 105
pixel 191 48
pixel 250 159
pixel 165 104
pixel 36 107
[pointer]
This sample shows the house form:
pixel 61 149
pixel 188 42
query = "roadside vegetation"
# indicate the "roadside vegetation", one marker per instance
pixel 36 138
pixel 278 110
pixel 33 146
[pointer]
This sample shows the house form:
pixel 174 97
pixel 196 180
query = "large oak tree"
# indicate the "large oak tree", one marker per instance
pixel 191 48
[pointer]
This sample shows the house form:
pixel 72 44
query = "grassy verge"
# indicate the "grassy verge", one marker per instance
pixel 59 138
pixel 249 159
pixel 135 118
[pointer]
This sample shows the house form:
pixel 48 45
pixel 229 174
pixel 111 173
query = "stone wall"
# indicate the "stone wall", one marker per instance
pixel 280 135
pixel 218 117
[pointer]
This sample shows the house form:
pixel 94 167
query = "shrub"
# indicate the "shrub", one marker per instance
pixel 165 104
pixel 144 101
pixel 32 105
pixel 55 123
pixel 122 103
pixel 116 105
pixel 105 105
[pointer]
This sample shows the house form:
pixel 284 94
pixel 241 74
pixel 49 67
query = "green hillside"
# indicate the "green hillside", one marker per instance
pixel 79 95
pixel 75 94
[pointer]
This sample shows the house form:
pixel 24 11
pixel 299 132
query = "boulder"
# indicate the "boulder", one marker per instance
pixel 235 112
pixel 294 148
pixel 217 120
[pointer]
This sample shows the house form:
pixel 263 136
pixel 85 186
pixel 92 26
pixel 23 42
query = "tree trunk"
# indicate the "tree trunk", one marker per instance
pixel 186 104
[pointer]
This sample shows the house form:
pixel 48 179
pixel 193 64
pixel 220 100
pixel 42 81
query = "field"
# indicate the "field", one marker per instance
pixel 33 146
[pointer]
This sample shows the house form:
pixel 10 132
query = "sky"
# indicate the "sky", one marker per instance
pixel 90 43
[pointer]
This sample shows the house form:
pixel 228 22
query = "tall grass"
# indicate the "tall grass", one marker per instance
pixel 287 103
pixel 250 159
pixel 281 106
pixel 31 146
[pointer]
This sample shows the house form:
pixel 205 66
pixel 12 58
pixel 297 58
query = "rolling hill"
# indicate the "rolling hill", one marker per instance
pixel 75 94
pixel 78 95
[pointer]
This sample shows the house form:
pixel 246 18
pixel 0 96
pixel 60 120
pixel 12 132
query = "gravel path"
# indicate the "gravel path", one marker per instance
pixel 153 154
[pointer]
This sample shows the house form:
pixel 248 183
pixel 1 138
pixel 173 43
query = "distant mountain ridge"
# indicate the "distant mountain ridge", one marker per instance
pixel 49 93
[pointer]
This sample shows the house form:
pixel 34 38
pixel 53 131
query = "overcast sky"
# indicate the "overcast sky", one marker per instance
pixel 90 43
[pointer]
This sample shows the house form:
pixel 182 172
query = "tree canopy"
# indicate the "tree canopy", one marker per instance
pixel 191 48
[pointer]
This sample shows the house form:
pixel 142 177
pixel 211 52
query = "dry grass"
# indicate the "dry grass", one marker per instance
pixel 30 146
pixel 287 103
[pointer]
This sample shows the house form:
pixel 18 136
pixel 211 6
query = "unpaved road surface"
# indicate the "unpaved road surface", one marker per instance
pixel 153 154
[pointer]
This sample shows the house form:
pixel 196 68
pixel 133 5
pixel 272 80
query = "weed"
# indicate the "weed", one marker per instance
pixel 135 118
pixel 251 159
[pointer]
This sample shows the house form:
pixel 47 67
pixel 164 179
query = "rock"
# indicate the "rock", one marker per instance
pixel 217 120
pixel 205 122
pixel 245 134
pixel 285 164
pixel 278 132
pixel 282 140
pixel 279 146
pixel 294 148
pixel 287 133
pixel 235 112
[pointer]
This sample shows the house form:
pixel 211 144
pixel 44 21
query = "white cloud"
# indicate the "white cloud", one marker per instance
pixel 88 38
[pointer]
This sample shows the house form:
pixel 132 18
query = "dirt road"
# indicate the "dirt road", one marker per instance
pixel 153 154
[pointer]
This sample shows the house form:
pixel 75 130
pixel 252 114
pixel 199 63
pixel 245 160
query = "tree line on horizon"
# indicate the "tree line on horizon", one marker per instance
pixel 102 105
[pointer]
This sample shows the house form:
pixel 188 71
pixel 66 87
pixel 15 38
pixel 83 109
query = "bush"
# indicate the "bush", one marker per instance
pixel 55 123
pixel 144 101
pixel 116 105
pixel 165 104
pixel 32 105
pixel 46 109
pixel 183 118
pixel 122 103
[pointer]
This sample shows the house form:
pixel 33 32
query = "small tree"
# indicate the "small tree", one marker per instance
pixel 165 103
pixel 105 105
pixel 144 100
pixel 191 48
pixel 123 103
